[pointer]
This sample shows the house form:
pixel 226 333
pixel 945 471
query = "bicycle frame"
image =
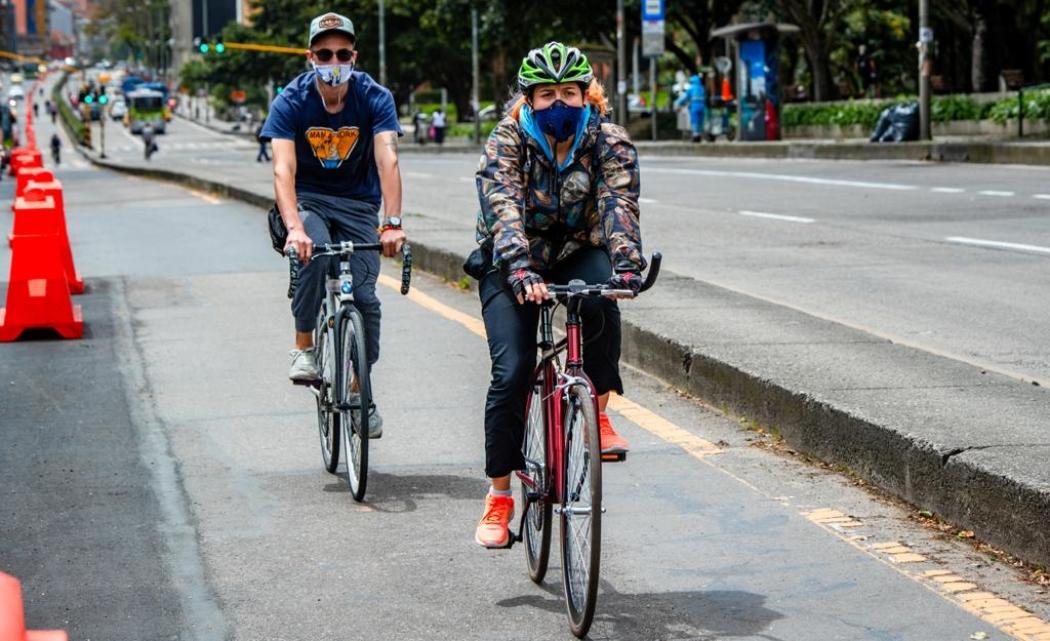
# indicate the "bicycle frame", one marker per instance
pixel 555 381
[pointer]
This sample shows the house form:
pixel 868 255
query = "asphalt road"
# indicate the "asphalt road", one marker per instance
pixel 949 258
pixel 160 479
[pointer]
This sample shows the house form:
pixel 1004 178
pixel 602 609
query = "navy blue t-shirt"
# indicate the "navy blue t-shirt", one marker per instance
pixel 334 152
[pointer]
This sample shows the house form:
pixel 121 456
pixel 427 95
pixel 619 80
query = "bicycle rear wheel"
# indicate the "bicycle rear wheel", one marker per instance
pixel 327 416
pixel 354 364
pixel 538 517
pixel 581 510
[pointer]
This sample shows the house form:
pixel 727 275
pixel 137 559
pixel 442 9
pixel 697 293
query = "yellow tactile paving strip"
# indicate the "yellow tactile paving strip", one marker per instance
pixel 992 609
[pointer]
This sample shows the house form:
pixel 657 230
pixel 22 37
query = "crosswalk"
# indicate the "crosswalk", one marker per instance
pixel 191 145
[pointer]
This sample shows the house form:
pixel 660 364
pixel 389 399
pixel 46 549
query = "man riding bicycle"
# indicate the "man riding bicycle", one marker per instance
pixel 558 186
pixel 334 137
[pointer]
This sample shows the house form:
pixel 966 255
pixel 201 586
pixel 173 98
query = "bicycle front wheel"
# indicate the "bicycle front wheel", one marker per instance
pixel 327 416
pixel 581 509
pixel 538 517
pixel 355 405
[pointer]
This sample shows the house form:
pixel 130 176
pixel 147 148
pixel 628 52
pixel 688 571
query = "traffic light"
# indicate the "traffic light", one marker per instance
pixel 103 99
pixel 220 47
pixel 206 47
pixel 280 88
pixel 89 98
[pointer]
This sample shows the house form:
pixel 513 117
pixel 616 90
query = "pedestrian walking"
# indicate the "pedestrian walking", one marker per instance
pixel 439 122
pixel 419 123
pixel 695 98
pixel 263 154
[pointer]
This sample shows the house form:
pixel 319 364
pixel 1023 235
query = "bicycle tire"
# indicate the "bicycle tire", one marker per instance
pixel 353 362
pixel 327 416
pixel 581 490
pixel 538 524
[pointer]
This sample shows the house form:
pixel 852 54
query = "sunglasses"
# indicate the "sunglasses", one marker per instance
pixel 324 55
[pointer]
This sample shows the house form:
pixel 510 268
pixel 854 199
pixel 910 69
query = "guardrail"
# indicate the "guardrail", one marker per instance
pixel 1020 105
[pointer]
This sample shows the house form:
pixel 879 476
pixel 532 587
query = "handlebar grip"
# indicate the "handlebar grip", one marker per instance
pixel 654 271
pixel 293 271
pixel 406 268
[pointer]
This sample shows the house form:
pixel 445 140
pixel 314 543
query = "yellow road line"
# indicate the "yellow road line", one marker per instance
pixel 996 611
pixel 208 198
pixel 640 416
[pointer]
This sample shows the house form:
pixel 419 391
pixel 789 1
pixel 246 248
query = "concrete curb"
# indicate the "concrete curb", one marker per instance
pixel 1002 511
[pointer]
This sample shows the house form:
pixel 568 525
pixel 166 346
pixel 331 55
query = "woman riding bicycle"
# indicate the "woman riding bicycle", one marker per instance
pixel 558 186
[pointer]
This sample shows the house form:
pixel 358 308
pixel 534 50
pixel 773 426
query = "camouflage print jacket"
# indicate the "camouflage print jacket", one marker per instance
pixel 535 217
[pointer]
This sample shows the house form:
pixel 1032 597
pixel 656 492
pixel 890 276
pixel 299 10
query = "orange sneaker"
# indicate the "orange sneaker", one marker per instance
pixel 493 529
pixel 612 443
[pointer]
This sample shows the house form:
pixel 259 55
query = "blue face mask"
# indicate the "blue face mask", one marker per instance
pixel 559 121
pixel 335 74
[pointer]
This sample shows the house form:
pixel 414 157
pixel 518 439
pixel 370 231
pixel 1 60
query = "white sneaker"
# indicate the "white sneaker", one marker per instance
pixel 304 365
pixel 375 421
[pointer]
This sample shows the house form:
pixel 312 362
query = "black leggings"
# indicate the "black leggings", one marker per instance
pixel 511 330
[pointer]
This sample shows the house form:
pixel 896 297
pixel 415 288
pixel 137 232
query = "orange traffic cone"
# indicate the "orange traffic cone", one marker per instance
pixel 27 174
pixel 37 291
pixel 38 220
pixel 25 158
pixel 13 618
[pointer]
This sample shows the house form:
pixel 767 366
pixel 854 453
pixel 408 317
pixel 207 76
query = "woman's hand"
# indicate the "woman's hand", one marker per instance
pixel 527 285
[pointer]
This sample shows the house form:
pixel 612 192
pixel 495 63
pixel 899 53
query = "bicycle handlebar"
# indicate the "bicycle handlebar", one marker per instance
pixel 345 249
pixel 580 288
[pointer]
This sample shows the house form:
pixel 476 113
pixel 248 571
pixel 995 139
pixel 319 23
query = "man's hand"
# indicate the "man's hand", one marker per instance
pixel 392 239
pixel 527 285
pixel 303 245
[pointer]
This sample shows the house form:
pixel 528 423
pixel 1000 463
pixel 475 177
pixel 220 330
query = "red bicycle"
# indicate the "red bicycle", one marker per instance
pixel 563 473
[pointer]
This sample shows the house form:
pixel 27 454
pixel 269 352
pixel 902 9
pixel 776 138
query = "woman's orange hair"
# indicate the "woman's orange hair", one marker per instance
pixel 595 95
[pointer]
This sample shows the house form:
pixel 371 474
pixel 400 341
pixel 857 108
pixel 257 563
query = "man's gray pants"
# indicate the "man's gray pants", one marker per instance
pixel 327 219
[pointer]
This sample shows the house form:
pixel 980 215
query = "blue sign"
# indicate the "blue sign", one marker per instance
pixel 652 9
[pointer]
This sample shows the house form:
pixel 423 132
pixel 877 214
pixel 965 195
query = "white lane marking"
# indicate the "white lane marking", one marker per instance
pixel 416 174
pixel 784 178
pixel 947 190
pixel 466 179
pixel 990 192
pixel 977 242
pixel 790 219
pixel 1042 196
pixel 648 201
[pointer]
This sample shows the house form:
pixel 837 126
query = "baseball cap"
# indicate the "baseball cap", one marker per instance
pixel 331 22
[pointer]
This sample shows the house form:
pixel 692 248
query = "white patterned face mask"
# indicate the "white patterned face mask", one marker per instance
pixel 334 75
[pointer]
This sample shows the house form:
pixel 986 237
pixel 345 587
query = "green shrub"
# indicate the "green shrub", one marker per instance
pixel 74 126
pixel 866 112
pixel 1036 107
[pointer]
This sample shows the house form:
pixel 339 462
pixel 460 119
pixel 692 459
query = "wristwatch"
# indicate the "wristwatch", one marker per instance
pixel 390 222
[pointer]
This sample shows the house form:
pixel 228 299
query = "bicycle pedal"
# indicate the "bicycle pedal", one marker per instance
pixel 316 383
pixel 614 457
pixel 512 538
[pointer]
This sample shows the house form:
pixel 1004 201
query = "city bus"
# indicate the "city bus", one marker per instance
pixel 145 106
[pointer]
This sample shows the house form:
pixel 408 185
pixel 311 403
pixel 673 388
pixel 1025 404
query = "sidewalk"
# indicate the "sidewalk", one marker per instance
pixel 970 445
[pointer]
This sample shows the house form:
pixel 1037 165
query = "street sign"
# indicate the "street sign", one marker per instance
pixel 723 64
pixel 652 10
pixel 926 35
pixel 653 38
pixel 239 96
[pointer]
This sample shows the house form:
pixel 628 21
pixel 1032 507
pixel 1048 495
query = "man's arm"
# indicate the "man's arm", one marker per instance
pixel 390 184
pixel 284 191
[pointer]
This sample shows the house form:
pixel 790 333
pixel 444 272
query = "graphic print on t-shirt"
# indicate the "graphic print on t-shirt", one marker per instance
pixel 332 147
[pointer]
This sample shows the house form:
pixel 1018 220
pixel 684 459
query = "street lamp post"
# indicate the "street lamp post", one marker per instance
pixel 382 43
pixel 925 39
pixel 475 99
pixel 621 62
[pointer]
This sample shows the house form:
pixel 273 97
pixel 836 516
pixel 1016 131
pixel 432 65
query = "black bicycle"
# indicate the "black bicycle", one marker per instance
pixel 344 389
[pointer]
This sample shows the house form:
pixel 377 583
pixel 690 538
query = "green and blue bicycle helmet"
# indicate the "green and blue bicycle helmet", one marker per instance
pixel 554 63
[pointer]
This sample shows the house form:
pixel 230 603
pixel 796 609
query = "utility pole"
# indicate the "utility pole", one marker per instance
pixel 382 43
pixel 475 100
pixel 652 93
pixel 925 40
pixel 621 64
